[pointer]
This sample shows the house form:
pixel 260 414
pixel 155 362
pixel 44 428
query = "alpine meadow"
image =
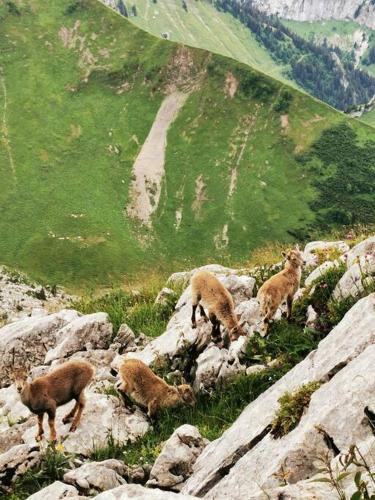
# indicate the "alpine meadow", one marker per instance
pixel 84 94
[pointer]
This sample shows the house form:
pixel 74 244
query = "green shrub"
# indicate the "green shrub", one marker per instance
pixel 284 101
pixel 291 408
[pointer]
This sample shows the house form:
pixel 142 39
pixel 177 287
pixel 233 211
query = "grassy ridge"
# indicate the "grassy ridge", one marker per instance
pixel 204 26
pixel 82 88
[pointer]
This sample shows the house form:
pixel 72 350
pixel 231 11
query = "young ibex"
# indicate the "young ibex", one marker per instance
pixel 207 288
pixel 141 384
pixel 46 393
pixel 280 287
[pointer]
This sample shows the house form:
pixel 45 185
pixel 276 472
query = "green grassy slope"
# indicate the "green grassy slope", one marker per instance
pixel 80 88
pixel 203 26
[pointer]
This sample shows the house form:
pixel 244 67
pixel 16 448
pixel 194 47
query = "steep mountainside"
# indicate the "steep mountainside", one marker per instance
pixel 362 11
pixel 121 152
pixel 336 69
pixel 203 26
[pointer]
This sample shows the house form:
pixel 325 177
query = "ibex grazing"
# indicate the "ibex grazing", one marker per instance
pixel 280 287
pixel 207 288
pixel 141 384
pixel 46 393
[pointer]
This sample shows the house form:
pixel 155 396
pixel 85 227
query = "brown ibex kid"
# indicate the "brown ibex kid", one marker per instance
pixel 280 287
pixel 207 288
pixel 141 384
pixel 46 393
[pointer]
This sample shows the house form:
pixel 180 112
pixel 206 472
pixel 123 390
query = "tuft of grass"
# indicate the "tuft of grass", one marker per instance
pixel 137 309
pixel 291 408
pixel 52 468
pixel 288 342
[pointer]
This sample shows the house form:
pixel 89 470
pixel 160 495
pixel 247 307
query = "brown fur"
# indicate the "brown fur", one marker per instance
pixel 46 393
pixel 207 288
pixel 140 383
pixel 280 287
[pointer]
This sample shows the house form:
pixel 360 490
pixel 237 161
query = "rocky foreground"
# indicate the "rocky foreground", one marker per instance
pixel 247 461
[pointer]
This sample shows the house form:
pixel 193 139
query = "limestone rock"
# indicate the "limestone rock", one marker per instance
pixel 16 461
pixel 362 12
pixel 183 278
pixel 314 246
pixel 99 476
pixel 103 416
pixel 19 298
pixel 366 247
pixel 25 342
pixel 347 340
pixel 260 468
pixel 91 331
pixel 138 492
pixel 251 370
pixel 356 277
pixel 56 491
pixel 312 317
pixel 124 339
pixel 174 464
pixel 320 271
pixel 215 365
pixel 163 296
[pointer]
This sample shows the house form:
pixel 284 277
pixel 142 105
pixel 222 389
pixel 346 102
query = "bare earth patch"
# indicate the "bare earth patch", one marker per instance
pixel 284 121
pixel 200 195
pixel 148 169
pixel 231 85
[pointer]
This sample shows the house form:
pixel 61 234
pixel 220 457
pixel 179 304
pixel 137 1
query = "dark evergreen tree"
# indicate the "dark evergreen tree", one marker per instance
pixel 122 8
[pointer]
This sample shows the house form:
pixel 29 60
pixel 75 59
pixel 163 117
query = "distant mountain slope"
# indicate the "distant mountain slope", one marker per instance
pixel 331 72
pixel 201 25
pixel 361 11
pixel 83 92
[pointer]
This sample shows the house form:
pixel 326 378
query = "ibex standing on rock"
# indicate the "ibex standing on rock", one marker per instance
pixel 280 287
pixel 141 384
pixel 44 394
pixel 207 288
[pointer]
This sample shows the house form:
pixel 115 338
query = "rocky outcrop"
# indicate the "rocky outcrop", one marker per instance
pixel 311 249
pixel 215 365
pixel 91 331
pixel 20 298
pixel 26 342
pixel 361 11
pixel 16 461
pixel 356 278
pixel 56 491
pixel 353 388
pixel 250 432
pixel 138 492
pixel 177 457
pixel 97 476
pixel 363 249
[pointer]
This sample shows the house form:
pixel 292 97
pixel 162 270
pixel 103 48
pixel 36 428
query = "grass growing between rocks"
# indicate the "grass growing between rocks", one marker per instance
pixel 212 415
pixel 291 409
pixel 52 468
pixel 135 308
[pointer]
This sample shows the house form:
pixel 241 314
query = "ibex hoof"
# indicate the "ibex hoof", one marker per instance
pixel 194 325
pixel 38 437
pixel 73 428
pixel 66 420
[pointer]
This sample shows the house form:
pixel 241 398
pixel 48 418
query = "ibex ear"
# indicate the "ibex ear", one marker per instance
pixel 297 247
pixel 284 254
